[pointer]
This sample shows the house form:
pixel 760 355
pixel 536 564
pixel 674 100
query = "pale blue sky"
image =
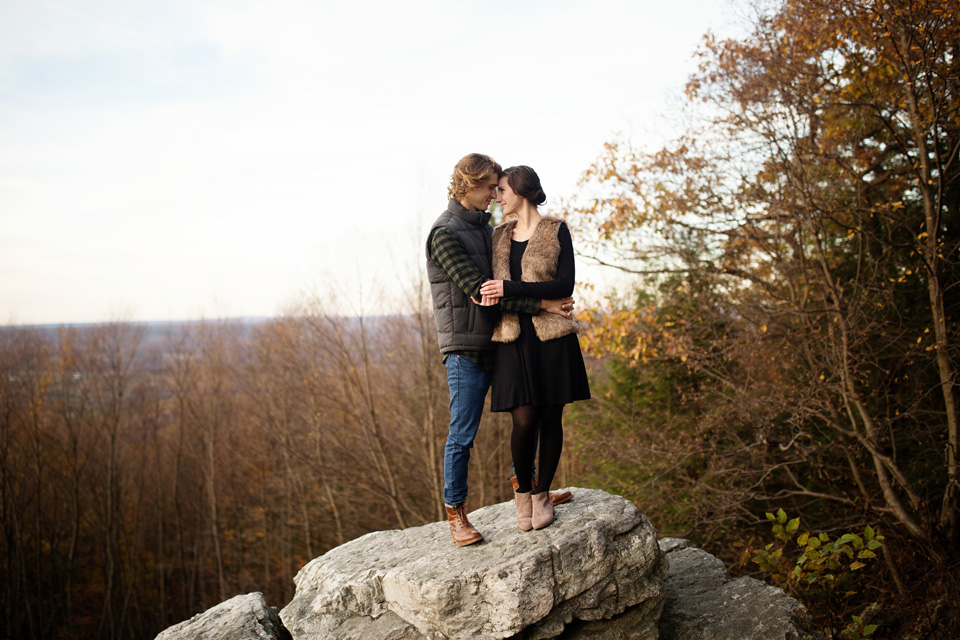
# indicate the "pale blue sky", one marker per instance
pixel 179 159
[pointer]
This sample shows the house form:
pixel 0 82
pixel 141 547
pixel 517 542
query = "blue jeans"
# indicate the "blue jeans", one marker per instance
pixel 468 390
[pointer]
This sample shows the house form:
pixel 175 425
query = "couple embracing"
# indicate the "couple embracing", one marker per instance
pixel 501 298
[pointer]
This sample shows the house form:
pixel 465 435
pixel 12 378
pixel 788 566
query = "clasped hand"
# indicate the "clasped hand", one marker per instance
pixel 485 301
pixel 492 289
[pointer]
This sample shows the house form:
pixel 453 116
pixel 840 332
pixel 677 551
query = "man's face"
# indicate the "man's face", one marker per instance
pixel 480 197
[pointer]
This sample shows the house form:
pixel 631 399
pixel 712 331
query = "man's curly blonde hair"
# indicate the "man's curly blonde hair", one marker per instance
pixel 470 173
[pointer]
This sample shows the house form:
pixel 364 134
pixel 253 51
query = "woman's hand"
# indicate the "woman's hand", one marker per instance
pixel 492 288
pixel 562 307
pixel 485 301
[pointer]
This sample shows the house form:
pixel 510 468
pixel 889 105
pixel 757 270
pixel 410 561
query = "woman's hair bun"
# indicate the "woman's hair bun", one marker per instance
pixel 525 183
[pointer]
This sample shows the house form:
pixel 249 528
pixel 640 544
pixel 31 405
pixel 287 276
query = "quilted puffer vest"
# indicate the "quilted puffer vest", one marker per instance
pixel 460 325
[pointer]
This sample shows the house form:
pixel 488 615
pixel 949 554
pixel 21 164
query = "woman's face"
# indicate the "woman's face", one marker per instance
pixel 507 198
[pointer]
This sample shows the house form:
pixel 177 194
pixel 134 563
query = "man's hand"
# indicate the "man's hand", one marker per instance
pixel 563 307
pixel 492 288
pixel 485 301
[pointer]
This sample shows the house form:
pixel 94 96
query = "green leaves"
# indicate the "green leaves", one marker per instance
pixel 779 530
pixel 793 525
pixel 824 569
pixel 857 630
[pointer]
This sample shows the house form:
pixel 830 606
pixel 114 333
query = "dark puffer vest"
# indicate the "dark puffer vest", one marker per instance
pixel 460 324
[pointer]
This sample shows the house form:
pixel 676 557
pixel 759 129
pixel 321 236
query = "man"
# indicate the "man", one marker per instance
pixel 458 262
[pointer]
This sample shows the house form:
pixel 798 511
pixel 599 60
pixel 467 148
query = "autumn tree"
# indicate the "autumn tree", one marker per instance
pixel 799 251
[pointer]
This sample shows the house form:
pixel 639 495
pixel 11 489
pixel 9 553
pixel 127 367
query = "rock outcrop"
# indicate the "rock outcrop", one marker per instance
pixel 245 617
pixel 597 573
pixel 598 561
pixel 703 603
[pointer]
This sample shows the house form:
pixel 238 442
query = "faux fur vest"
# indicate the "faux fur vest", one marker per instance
pixel 539 264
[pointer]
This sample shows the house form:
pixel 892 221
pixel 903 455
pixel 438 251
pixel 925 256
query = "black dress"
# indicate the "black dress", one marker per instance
pixel 529 371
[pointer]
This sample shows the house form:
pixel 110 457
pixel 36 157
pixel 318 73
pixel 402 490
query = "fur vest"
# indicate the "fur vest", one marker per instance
pixel 539 264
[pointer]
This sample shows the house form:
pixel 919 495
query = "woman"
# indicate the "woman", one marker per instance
pixel 539 367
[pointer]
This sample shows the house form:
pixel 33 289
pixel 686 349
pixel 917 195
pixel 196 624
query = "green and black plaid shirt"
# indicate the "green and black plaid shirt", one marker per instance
pixel 448 253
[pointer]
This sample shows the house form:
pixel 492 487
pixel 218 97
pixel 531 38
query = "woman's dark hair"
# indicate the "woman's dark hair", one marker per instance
pixel 525 183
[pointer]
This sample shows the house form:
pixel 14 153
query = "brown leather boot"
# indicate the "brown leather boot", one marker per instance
pixel 524 510
pixel 542 510
pixel 462 532
pixel 556 497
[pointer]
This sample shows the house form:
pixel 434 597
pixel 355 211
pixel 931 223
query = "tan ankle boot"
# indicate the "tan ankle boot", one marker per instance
pixel 542 510
pixel 556 497
pixel 524 510
pixel 462 532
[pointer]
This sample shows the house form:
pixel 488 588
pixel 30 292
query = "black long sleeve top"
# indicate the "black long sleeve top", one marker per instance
pixel 562 284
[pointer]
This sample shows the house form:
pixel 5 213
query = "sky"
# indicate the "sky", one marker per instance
pixel 192 159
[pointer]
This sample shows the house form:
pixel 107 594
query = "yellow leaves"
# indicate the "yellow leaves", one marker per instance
pixel 633 335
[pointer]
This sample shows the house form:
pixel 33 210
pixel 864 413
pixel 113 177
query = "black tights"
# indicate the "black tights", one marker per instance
pixel 528 421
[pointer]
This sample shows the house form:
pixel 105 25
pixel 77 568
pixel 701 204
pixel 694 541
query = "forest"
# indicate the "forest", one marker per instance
pixel 779 386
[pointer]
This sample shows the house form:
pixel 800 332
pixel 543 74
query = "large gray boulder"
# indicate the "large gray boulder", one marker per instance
pixel 598 562
pixel 703 603
pixel 244 617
